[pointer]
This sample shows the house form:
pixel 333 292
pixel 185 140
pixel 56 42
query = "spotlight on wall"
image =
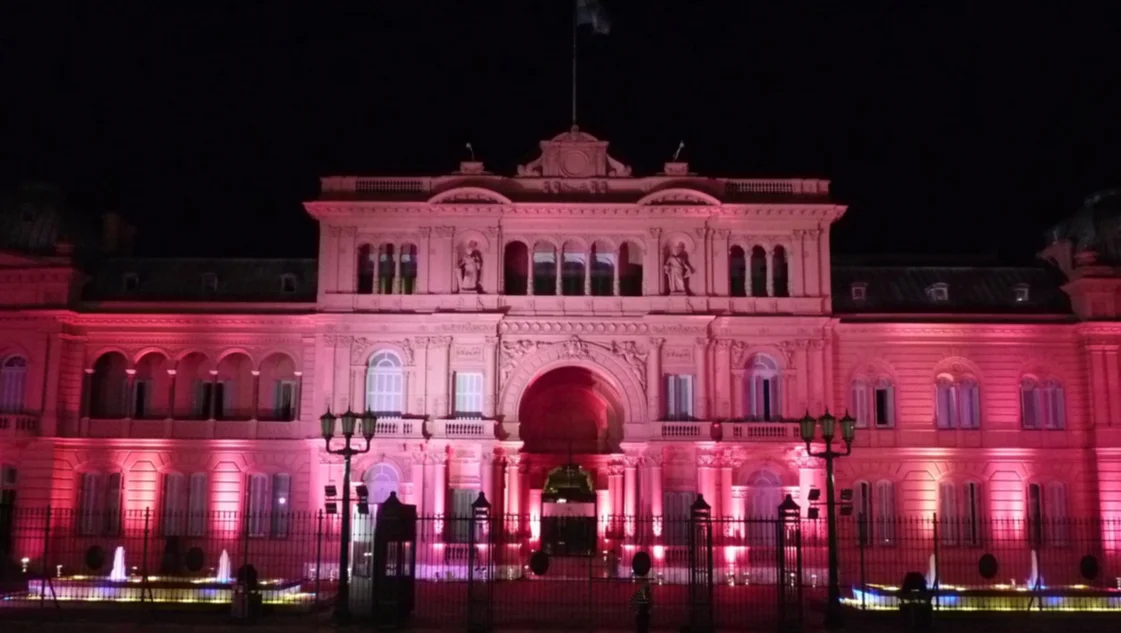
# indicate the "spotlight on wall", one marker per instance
pixel 363 499
pixel 813 513
pixel 815 494
pixel 331 490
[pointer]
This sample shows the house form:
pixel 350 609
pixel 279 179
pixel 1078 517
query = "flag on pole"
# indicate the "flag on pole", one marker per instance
pixel 592 12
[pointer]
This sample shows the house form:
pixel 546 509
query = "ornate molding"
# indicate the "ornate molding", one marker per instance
pixel 361 348
pixel 570 327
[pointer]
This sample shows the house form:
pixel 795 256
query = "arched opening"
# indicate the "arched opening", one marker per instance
pixel 573 268
pixel 276 396
pixel 13 384
pixel 515 268
pixel 408 269
pixel 194 387
pixel 630 270
pixel 764 497
pixel 381 480
pixel 150 388
pixel 571 409
pixel 780 273
pixel 762 389
pixel 544 269
pixel 737 272
pixel 385 385
pixel 387 263
pixel 365 270
pixel 603 269
pixel 109 387
pixel 233 395
pixel 758 272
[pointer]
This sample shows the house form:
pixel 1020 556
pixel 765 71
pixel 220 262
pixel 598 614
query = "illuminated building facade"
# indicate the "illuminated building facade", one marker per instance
pixel 662 332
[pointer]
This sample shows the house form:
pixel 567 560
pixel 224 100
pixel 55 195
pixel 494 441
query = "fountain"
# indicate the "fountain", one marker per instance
pixel 1035 581
pixel 118 574
pixel 932 572
pixel 224 568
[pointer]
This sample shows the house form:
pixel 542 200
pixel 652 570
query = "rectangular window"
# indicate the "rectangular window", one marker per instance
pixel 946 405
pixel 141 391
pixel 281 498
pixel 679 396
pixel 90 502
pixel 174 502
pixel 885 506
pixel 971 508
pixel 196 505
pixel 884 406
pixel 948 518
pixel 1055 514
pixel 468 394
pixel 285 400
pixel 862 505
pixel 970 405
pixel 1029 406
pixel 257 506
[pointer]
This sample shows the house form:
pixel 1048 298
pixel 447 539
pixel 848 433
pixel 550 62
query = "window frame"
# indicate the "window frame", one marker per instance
pixel 679 406
pixel 385 384
pixel 469 393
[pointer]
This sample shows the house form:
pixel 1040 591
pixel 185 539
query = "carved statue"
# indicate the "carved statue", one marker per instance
pixel 470 268
pixel 678 270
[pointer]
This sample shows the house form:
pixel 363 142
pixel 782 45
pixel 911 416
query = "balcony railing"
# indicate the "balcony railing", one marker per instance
pixel 19 424
pixel 729 431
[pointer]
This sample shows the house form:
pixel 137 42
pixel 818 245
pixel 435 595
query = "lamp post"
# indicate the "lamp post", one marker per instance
pixel 834 619
pixel 327 424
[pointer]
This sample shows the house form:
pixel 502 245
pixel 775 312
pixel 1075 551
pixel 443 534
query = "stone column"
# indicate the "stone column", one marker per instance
pixel 130 393
pixel 748 285
pixel 770 270
pixel 87 388
pixel 823 261
pixel 727 510
pixel 701 395
pixel 615 273
pixel 1100 411
pixel 794 265
pixel 615 486
pixel 722 274
pixel 357 389
pixel 529 267
pixel 654 466
pixel 722 380
pixel 738 410
pixel 439 483
pixel 654 379
pixel 486 478
pixel 630 492
pixel 559 270
pixel 397 252
pixel 513 492
pixel 588 271
pixel 297 409
pixel 813 271
pixel 816 376
pixel 490 373
pixel 1111 376
pixel 653 279
pixel 256 395
pixel 417 499
pixel 171 394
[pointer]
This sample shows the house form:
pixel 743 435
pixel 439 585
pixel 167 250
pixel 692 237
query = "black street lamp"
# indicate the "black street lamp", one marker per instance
pixel 834 618
pixel 327 424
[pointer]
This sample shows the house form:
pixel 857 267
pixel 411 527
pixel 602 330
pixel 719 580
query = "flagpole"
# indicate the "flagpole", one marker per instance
pixel 574 20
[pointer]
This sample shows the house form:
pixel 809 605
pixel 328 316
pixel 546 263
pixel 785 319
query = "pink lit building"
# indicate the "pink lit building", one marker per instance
pixel 663 332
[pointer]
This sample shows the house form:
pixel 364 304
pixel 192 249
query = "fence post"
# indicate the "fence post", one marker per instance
pixel 700 567
pixel 318 557
pixel 46 559
pixel 936 581
pixel 861 539
pixel 145 588
pixel 478 596
pixel 789 537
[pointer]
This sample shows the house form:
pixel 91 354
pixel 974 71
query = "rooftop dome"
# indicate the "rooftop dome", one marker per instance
pixel 35 219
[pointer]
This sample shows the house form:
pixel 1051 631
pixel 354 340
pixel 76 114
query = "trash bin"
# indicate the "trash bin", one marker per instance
pixel 915 602
pixel 245 603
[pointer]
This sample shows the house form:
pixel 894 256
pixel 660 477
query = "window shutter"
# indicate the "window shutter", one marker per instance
pixel 113 504
pixel 90 504
pixel 947 513
pixel 945 405
pixel 1055 513
pixel 196 505
pixel 885 492
pixel 1057 418
pixel 972 407
pixel 258 504
pixel 281 501
pixel 971 530
pixel 173 504
pixel 860 403
pixel 862 502
pixel 1029 411
pixel 687 396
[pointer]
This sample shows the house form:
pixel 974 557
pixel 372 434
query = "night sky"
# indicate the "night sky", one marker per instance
pixel 948 127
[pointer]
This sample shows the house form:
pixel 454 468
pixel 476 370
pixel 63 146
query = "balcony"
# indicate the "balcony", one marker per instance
pixel 729 431
pixel 463 428
pixel 233 425
pixel 19 425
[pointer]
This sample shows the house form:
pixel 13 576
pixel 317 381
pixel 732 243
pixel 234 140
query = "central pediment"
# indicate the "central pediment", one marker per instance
pixel 574 154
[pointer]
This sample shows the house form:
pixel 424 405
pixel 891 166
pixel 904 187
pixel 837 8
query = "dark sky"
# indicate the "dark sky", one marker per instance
pixel 947 126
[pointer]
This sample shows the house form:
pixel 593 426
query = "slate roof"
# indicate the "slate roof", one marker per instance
pixel 181 279
pixel 970 290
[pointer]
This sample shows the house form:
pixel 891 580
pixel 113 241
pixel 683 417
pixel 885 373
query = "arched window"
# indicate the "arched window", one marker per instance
pixel 780 272
pixel 758 265
pixel 13 384
pixel 764 497
pixel 603 270
pixel 366 259
pixel 544 269
pixel 737 272
pixel 1042 404
pixel 573 268
pixel 761 389
pixel 385 385
pixel 387 263
pixel 630 270
pixel 515 268
pixel 381 479
pixel 957 403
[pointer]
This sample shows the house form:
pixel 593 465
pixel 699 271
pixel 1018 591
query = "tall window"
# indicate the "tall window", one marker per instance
pixel 183 502
pixel 1042 404
pixel 269 501
pixel 603 270
pixel 762 389
pixel 366 258
pixel 676 506
pixel 284 400
pixel 765 490
pixel 544 269
pixel 257 505
pixel 13 381
pixel 385 385
pixel 99 504
pixel 281 504
pixel 860 401
pixel 468 393
pixel 1047 514
pixel 737 272
pixel 958 403
pixel 408 269
pixel 865 515
pixel 387 263
pixel 885 506
pixel 461 519
pixel 381 480
pixel 679 397
pixel 971 513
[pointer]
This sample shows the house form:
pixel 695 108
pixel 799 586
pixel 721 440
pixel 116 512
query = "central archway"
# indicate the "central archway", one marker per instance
pixel 571 409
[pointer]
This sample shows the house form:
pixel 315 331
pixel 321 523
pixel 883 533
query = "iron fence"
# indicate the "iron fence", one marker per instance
pixel 532 571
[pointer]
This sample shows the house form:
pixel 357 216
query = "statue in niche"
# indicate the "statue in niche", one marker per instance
pixel 678 270
pixel 470 268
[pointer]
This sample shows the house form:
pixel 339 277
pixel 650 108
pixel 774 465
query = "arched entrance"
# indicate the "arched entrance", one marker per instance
pixel 571 410
pixel 568 525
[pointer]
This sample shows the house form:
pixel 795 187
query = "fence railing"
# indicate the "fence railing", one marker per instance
pixel 66 556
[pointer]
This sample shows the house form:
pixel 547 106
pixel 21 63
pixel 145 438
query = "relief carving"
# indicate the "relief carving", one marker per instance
pixel 444 231
pixel 629 352
pixel 511 353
